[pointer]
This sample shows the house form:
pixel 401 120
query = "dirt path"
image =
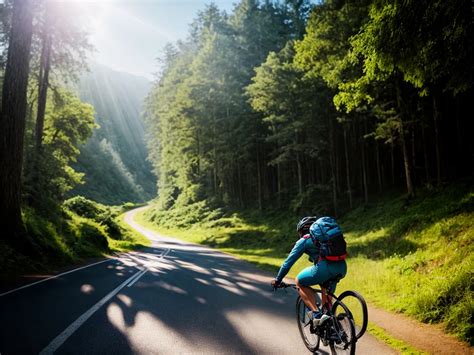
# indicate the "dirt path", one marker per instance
pixel 426 337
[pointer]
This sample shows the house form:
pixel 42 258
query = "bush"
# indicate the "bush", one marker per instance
pixel 104 215
pixel 107 219
pixel 83 207
pixel 92 234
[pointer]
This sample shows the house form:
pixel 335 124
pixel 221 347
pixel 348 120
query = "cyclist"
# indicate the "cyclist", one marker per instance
pixel 321 272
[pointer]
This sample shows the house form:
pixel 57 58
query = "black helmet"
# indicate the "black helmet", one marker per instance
pixel 303 226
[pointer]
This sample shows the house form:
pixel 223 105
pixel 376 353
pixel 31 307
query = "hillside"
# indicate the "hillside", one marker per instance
pixel 114 159
pixel 413 257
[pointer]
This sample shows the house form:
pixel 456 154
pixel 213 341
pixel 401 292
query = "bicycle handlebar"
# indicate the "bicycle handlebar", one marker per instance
pixel 283 285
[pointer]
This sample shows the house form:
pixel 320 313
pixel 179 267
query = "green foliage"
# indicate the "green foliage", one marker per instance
pixel 251 112
pixel 94 235
pixel 48 174
pixel 94 231
pixel 106 216
pixel 83 207
pixel 198 105
pixel 423 245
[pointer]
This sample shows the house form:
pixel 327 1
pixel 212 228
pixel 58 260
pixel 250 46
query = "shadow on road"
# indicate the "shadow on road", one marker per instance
pixel 201 300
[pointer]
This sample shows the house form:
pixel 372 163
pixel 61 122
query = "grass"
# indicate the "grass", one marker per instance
pixel 132 241
pixel 414 257
pixel 397 344
pixel 70 238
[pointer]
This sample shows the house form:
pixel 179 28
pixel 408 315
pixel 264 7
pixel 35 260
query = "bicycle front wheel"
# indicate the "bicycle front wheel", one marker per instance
pixel 342 337
pixel 310 338
pixel 358 308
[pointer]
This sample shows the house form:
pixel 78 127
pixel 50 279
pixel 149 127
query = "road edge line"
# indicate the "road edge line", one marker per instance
pixel 54 277
pixel 61 338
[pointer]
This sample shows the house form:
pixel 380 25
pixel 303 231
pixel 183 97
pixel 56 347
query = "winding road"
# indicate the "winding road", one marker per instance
pixel 171 298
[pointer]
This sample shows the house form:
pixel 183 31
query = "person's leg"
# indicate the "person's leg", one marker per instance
pixel 312 276
pixel 307 295
pixel 306 278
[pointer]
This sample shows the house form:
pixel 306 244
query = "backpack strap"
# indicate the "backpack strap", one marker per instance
pixel 335 258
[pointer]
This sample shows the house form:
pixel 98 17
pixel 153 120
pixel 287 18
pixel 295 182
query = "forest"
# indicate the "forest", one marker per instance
pixel 277 109
pixel 62 134
pixel 313 106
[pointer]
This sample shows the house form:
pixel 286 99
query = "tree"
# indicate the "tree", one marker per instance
pixel 12 120
pixel 323 55
pixel 284 96
pixel 64 47
pixel 68 123
pixel 379 76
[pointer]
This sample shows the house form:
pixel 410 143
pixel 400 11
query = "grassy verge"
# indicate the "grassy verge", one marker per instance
pixel 83 230
pixel 397 344
pixel 134 240
pixel 414 257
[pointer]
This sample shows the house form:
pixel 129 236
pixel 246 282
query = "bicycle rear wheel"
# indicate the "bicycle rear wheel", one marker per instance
pixel 343 338
pixel 310 339
pixel 358 308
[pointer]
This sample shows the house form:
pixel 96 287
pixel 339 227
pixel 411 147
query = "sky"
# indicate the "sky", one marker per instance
pixel 129 35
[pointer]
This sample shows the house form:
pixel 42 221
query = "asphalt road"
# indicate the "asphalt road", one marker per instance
pixel 171 298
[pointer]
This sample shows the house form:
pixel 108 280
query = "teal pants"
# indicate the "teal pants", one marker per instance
pixel 322 272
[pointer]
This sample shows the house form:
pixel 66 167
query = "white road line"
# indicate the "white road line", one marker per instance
pixel 53 277
pixel 165 253
pixel 61 338
pixel 136 275
pixel 136 279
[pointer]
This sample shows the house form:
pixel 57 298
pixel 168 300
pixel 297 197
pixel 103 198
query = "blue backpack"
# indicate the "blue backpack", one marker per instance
pixel 328 236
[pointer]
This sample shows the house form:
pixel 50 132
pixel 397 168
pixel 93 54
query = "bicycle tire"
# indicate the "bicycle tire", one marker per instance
pixel 344 330
pixel 310 340
pixel 358 308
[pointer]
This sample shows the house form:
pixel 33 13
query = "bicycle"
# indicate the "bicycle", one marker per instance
pixel 344 327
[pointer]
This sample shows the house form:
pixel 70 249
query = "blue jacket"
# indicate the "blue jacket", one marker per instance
pixel 304 245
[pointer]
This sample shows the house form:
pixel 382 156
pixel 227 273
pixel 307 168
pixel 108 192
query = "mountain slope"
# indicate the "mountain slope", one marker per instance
pixel 114 159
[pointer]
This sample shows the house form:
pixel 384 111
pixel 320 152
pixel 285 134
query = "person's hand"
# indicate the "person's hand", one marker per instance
pixel 275 283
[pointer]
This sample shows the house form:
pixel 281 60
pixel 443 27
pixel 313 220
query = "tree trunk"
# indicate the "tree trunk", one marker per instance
pixel 348 174
pixel 406 161
pixel 331 159
pixel 43 86
pixel 279 184
pixel 425 156
pixel 12 121
pixel 364 173
pixel 259 183
pixel 406 158
pixel 392 161
pixel 241 199
pixel 336 162
pixel 214 170
pixel 364 165
pixel 198 147
pixel 436 130
pixel 300 173
pixel 413 152
pixel 377 160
